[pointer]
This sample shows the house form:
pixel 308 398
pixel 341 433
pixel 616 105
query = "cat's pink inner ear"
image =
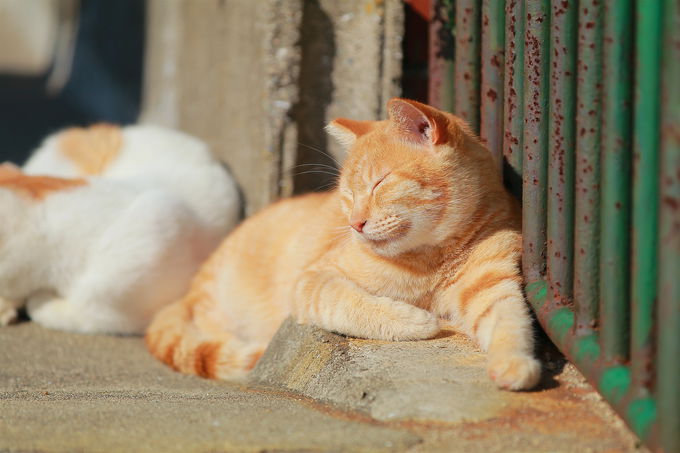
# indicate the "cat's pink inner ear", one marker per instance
pixel 415 121
pixel 346 131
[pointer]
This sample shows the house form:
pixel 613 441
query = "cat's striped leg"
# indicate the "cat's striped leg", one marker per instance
pixel 329 300
pixel 490 307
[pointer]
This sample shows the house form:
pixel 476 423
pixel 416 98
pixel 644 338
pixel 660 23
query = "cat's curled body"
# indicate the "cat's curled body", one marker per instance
pixel 92 256
pixel 419 228
pixel 149 156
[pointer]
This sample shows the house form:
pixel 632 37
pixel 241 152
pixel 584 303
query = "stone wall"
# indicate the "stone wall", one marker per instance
pixel 258 80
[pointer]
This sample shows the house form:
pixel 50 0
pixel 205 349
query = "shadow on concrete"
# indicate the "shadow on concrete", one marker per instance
pixel 314 169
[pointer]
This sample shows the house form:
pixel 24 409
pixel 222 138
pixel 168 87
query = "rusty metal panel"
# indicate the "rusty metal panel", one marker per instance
pixel 668 334
pixel 441 48
pixel 492 54
pixel 587 184
pixel 616 181
pixel 563 34
pixel 513 95
pixel 535 159
pixel 466 70
pixel 645 190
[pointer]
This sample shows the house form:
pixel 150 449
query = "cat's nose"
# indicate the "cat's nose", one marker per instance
pixel 358 225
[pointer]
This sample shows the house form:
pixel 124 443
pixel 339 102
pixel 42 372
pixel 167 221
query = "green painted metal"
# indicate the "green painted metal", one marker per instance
pixel 645 190
pixel 597 120
pixel 587 349
pixel 535 139
pixel 614 383
pixel 615 195
pixel 668 333
pixel 560 233
pixel 642 415
pixel 466 60
pixel 560 323
pixel 492 54
pixel 587 202
pixel 513 92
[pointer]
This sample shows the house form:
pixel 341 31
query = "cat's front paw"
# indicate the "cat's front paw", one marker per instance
pixel 514 372
pixel 8 313
pixel 406 322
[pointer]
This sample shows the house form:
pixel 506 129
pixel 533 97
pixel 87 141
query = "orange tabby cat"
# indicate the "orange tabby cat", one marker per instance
pixel 419 228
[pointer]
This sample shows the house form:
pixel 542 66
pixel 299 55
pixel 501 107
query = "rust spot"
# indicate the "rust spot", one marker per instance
pixel 491 94
pixel 670 202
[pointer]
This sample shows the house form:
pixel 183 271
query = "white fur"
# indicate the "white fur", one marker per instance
pixel 165 159
pixel 106 256
pixel 98 258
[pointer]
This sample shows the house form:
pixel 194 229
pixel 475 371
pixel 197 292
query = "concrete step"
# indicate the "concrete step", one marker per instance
pixel 312 391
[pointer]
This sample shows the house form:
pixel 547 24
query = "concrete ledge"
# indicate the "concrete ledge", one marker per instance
pixel 315 391
pixel 442 382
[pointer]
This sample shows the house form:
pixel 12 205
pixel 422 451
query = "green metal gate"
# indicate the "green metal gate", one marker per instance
pixel 580 102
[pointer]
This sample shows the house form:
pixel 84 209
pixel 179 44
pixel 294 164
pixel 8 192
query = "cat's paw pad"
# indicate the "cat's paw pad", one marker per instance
pixel 514 372
pixel 412 323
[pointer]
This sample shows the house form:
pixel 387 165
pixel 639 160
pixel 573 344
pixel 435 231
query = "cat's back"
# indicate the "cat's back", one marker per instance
pixel 262 259
pixel 288 227
pixel 116 151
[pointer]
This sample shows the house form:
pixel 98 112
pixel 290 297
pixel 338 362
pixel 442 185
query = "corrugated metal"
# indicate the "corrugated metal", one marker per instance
pixel 535 140
pixel 591 126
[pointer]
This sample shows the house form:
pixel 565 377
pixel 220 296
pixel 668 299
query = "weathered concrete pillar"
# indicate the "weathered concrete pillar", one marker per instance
pixel 258 80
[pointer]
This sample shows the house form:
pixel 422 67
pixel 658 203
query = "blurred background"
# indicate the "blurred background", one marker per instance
pixel 257 80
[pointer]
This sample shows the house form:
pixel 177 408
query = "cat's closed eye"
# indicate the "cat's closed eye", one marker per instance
pixel 379 181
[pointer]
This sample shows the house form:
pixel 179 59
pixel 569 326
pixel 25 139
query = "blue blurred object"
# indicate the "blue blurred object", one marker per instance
pixel 105 83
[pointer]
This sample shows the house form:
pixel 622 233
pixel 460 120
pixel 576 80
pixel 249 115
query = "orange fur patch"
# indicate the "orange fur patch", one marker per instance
pixel 91 149
pixel 487 280
pixel 205 359
pixel 36 187
pixel 485 313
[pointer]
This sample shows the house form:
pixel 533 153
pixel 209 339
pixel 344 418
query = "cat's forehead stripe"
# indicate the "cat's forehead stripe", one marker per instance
pixel 91 149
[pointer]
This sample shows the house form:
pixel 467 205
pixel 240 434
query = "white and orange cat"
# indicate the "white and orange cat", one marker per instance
pixel 92 255
pixel 108 224
pixel 419 228
pixel 149 156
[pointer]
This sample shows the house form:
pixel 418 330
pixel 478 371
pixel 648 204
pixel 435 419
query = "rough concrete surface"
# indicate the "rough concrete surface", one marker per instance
pixel 313 391
pixel 259 80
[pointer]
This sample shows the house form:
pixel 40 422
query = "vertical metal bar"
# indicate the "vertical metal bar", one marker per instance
pixel 561 151
pixel 587 205
pixel 492 54
pixel 615 197
pixel 645 188
pixel 441 48
pixel 668 335
pixel 466 96
pixel 535 159
pixel 513 94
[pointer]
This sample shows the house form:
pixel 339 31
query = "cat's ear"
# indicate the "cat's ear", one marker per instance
pixel 347 131
pixel 417 123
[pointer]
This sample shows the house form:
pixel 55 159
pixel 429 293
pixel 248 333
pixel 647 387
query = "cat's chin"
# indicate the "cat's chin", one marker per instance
pixel 388 247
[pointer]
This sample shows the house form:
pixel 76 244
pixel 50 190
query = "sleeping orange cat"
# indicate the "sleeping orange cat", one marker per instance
pixel 418 229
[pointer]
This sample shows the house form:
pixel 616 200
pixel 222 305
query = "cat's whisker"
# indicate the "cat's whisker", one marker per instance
pixel 313 148
pixel 318 165
pixel 315 171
